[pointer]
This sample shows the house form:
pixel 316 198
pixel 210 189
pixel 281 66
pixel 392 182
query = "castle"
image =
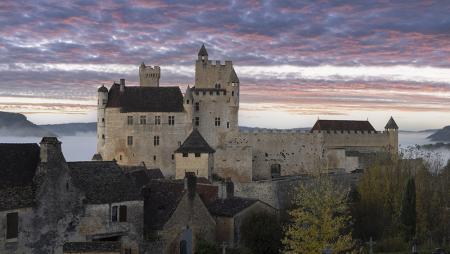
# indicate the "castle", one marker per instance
pixel 199 132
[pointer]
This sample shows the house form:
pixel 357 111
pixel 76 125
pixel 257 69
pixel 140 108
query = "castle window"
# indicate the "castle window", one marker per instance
pixel 228 125
pixel 197 106
pixel 157 120
pixel 103 136
pixel 197 121
pixel 130 120
pixel 12 225
pixel 185 154
pixel 217 121
pixel 154 157
pixel 217 86
pixel 143 120
pixel 123 213
pixel 130 140
pixel 173 156
pixel 103 120
pixel 225 92
pixel 120 157
pixel 197 155
pixel 187 101
pixel 232 93
pixel 114 213
pixel 218 92
pixel 156 140
pixel 210 92
pixel 171 120
pixel 204 92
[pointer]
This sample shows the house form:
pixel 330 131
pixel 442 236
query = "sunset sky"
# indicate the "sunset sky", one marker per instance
pixel 297 60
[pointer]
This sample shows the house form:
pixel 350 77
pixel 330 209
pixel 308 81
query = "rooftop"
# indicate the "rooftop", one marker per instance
pixel 342 125
pixel 230 206
pixel 195 143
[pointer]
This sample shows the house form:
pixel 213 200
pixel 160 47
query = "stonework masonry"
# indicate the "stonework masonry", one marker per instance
pixel 211 106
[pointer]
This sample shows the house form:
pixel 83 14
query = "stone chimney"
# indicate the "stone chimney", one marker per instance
pixel 50 149
pixel 122 85
pixel 190 184
pixel 229 187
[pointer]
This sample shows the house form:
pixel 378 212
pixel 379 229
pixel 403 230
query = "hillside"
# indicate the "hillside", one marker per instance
pixel 442 135
pixel 71 129
pixel 14 124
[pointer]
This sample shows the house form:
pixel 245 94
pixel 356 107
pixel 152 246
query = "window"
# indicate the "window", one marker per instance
pixel 197 154
pixel 156 140
pixel 225 92
pixel 123 213
pixel 187 101
pixel 12 225
pixel 232 93
pixel 197 106
pixel 157 120
pixel 130 140
pixel 103 120
pixel 171 120
pixel 173 156
pixel 217 86
pixel 210 92
pixel 114 213
pixel 228 125
pixel 217 121
pixel 143 120
pixel 130 120
pixel 217 92
pixel 119 213
pixel 154 157
pixel 185 155
pixel 103 136
pixel 204 92
pixel 197 121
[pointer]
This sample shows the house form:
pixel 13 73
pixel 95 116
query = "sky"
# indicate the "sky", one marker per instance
pixel 297 61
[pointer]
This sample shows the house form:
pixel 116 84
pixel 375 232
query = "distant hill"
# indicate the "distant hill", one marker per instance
pixel 14 124
pixel 71 129
pixel 441 135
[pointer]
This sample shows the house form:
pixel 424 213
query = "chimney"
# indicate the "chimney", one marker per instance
pixel 122 85
pixel 50 149
pixel 229 186
pixel 190 184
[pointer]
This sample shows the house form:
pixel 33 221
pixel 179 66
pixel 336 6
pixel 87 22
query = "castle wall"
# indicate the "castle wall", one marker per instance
pixel 143 149
pixel 208 73
pixel 234 162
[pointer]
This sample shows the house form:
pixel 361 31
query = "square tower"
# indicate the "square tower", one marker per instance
pixel 149 76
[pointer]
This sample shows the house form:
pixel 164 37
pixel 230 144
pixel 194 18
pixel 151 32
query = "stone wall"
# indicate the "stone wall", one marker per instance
pixel 234 162
pixel 143 149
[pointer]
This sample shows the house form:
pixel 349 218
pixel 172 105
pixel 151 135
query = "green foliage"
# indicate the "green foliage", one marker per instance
pixel 261 233
pixel 319 220
pixel 204 247
pixel 408 210
pixel 391 244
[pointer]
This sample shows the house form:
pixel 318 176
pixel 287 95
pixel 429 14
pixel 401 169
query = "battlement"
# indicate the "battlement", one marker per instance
pixel 218 63
pixel 149 75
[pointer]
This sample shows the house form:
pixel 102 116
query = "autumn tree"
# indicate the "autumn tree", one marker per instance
pixel 319 219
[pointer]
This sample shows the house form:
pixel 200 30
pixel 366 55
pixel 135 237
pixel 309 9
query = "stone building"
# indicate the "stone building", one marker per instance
pixel 149 123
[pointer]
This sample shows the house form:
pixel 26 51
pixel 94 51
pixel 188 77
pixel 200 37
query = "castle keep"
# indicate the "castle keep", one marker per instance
pixel 148 124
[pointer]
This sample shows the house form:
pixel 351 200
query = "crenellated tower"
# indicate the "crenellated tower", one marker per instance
pixel 149 76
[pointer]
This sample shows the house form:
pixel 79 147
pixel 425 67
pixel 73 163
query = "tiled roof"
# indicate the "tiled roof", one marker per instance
pixel 391 124
pixel 146 99
pixel 77 247
pixel 161 201
pixel 230 206
pixel 342 125
pixel 18 164
pixel 195 143
pixel 141 175
pixel 103 182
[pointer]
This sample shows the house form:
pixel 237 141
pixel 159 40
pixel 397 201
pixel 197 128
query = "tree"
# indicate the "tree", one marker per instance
pixel 408 209
pixel 261 233
pixel 319 219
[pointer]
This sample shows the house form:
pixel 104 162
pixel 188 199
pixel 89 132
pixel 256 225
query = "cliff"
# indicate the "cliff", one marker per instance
pixel 14 124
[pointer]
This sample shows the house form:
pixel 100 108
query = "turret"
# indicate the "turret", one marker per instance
pixel 101 107
pixel 102 97
pixel 392 129
pixel 203 54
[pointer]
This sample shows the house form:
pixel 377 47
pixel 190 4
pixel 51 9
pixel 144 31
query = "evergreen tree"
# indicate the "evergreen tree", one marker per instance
pixel 408 209
pixel 319 220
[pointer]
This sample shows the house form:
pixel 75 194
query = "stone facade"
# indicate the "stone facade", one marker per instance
pixel 211 106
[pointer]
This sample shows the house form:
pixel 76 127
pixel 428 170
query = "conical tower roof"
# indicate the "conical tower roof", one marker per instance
pixel 233 77
pixel 203 51
pixel 195 143
pixel 391 124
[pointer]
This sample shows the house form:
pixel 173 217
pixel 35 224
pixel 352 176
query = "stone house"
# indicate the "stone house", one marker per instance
pixel 176 216
pixel 230 212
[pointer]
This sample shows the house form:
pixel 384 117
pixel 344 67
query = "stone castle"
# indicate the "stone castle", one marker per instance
pixel 148 124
